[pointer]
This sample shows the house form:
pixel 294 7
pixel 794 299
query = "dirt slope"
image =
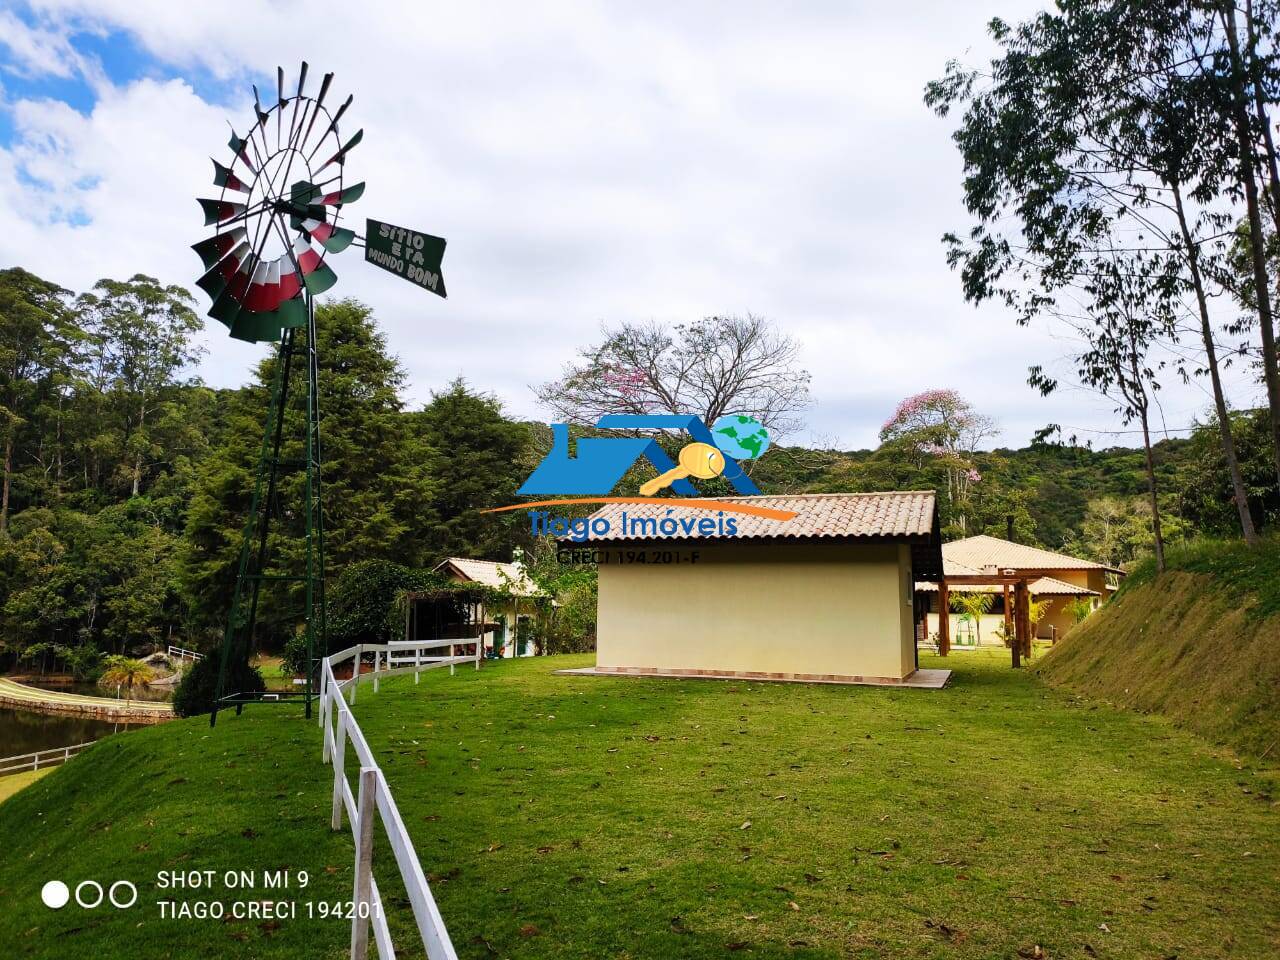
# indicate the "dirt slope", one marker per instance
pixel 1183 645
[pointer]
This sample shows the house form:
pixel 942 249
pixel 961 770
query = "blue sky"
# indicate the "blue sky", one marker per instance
pixel 589 163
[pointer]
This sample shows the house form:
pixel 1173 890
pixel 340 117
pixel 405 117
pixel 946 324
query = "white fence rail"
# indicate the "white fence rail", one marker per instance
pixel 41 758
pixel 373 799
pixel 182 653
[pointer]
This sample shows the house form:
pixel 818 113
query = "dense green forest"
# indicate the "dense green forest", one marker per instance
pixel 127 481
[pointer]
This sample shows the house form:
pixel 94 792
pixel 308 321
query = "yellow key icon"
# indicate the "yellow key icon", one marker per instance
pixel 700 460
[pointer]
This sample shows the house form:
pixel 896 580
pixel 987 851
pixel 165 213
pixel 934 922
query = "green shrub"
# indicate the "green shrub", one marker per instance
pixel 199 685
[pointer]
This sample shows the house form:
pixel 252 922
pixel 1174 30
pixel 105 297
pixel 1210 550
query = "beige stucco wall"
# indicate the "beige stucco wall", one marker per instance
pixel 832 609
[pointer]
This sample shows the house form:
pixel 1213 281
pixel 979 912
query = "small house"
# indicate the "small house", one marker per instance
pixel 506 628
pixel 824 596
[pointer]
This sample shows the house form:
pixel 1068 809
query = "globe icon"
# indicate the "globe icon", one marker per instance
pixel 740 436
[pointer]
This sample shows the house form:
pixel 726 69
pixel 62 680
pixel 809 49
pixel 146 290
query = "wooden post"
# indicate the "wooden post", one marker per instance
pixel 1019 621
pixel 1008 615
pixel 355 671
pixel 362 898
pixel 377 659
pixel 944 619
pixel 1031 628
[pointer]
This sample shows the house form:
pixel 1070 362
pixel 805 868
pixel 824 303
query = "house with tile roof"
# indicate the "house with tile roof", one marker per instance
pixel 1057 580
pixel 815 587
pixel 505 630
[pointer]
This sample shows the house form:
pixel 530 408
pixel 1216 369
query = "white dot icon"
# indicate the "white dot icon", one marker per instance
pixel 55 894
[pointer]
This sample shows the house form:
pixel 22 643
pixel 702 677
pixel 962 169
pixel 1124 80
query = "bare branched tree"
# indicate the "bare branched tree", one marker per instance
pixel 717 365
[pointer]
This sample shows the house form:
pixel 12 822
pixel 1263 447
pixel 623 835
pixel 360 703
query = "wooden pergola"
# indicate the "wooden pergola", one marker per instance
pixel 1017 617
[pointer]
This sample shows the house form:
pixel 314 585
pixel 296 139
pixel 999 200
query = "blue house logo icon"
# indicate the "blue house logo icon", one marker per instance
pixel 601 462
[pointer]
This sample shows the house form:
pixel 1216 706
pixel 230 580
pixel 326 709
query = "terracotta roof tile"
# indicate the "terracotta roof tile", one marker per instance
pixel 972 554
pixel 504 576
pixel 818 515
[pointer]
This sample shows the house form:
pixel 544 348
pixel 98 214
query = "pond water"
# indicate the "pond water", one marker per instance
pixel 89 689
pixel 23 731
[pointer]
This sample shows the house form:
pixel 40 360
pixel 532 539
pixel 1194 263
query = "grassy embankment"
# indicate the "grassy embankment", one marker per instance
pixel 1199 644
pixel 588 817
pixel 11 783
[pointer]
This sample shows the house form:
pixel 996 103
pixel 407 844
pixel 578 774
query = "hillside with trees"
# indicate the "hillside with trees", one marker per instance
pixel 127 481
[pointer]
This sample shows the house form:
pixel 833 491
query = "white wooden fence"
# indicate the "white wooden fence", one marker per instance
pixel 373 799
pixel 182 653
pixel 41 758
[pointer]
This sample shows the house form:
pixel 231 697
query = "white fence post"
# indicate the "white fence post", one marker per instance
pixel 339 754
pixel 374 799
pixel 363 898
pixel 355 672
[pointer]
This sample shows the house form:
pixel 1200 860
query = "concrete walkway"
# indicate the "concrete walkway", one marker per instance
pixel 22 697
pixel 921 679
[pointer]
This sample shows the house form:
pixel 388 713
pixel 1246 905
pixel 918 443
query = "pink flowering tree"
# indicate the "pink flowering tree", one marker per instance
pixel 942 426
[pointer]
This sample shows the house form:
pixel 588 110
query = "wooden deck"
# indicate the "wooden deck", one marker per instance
pixel 921 679
pixel 21 697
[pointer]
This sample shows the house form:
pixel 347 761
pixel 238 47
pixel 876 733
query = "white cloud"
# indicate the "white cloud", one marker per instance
pixel 587 162
pixel 35 50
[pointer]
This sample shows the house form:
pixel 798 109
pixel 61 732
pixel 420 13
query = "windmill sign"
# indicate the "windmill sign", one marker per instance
pixel 406 253
pixel 276 222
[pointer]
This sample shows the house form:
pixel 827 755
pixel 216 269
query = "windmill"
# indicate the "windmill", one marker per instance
pixel 277 221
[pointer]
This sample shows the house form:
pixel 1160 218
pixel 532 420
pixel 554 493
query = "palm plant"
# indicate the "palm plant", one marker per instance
pixel 1080 608
pixel 973 605
pixel 126 673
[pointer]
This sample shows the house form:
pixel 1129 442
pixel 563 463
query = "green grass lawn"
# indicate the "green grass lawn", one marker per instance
pixel 591 817
pixel 251 794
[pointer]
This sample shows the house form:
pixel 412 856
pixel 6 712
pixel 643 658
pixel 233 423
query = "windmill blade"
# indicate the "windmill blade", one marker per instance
pixel 216 247
pixel 228 304
pixel 306 194
pixel 215 211
pixel 334 239
pixel 341 155
pixel 302 78
pixel 333 125
pixel 263 294
pixel 316 274
pixel 324 89
pixel 280 100
pixel 241 149
pixel 224 177
pixel 217 277
pixel 257 107
pixel 267 327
